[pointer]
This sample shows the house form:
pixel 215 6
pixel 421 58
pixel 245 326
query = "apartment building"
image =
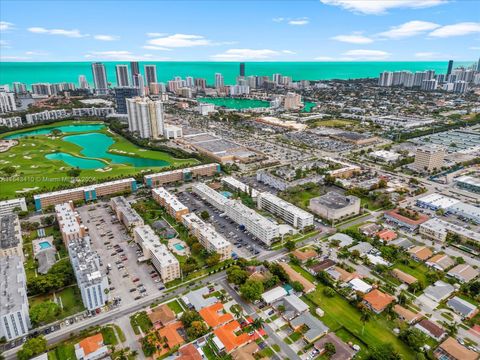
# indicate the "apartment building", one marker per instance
pixel 69 222
pixel 186 174
pixel 170 202
pixel 437 229
pixel 293 215
pixel 46 115
pixel 91 281
pixel 10 236
pixel 163 260
pixel 93 111
pixel 14 315
pixel 256 224
pixel 237 185
pixel 207 236
pixel 8 206
pixel 11 121
pixel 128 216
pixel 84 193
pixel 335 206
pixel 429 158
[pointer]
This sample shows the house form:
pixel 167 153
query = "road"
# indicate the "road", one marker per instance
pixel 107 317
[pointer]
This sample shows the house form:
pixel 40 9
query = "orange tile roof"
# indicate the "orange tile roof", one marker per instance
pixel 387 235
pixel 189 352
pixel 295 276
pixel 421 252
pixel 457 351
pixel 304 255
pixel 403 276
pixel 162 314
pixel 406 314
pixel 378 300
pixel 395 214
pixel 91 343
pixel 226 334
pixel 171 334
pixel 214 315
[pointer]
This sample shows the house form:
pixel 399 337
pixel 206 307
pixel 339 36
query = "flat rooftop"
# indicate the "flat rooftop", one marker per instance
pixel 10 235
pixel 13 294
pixel 334 200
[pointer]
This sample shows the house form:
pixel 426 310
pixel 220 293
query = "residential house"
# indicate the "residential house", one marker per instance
pixel 305 255
pixel 463 308
pixel 369 229
pixel 161 315
pixel 189 352
pixel 450 349
pixel 420 253
pixel 246 352
pixel 315 328
pixel 342 350
pixel 360 286
pixel 377 301
pixel 214 315
pixel 386 235
pixel 293 305
pixel 228 337
pixel 440 262
pixel 91 348
pixel 407 315
pixel 274 295
pixel 463 273
pixel 321 266
pixel 431 329
pixel 404 277
pixel 308 286
pixel 439 291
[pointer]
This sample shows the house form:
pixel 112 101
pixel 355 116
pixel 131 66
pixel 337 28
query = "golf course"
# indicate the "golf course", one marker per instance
pixel 61 155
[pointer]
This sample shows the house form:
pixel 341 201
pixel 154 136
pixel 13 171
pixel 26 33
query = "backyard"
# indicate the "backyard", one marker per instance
pixel 68 299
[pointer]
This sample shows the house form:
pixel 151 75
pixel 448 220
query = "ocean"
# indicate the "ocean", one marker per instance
pixel 53 72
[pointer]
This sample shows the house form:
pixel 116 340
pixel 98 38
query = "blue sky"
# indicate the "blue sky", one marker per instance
pixel 316 30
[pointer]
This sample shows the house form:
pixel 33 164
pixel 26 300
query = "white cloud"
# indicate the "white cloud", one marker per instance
pixel 464 28
pixel 428 55
pixel 324 58
pixel 180 41
pixel 106 37
pixel 376 7
pixel 36 53
pixel 289 52
pixel 152 47
pixel 4 44
pixel 299 22
pixel 155 34
pixel 353 39
pixel 5 26
pixel 408 29
pixel 69 33
pixel 369 55
pixel 246 54
pixel 278 19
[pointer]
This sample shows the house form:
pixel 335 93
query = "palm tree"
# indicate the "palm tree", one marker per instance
pixel 364 318
pixel 257 323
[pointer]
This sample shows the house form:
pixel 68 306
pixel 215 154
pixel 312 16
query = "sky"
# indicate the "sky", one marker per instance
pixel 224 30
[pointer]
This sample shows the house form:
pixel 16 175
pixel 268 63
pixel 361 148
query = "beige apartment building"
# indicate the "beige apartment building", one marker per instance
pixel 187 174
pixel 69 222
pixel 170 202
pixel 429 158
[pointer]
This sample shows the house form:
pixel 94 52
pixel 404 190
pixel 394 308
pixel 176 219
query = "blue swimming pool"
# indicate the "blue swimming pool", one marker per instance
pixel 44 245
pixel 179 247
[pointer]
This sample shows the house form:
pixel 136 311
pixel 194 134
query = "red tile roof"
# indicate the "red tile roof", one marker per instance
pixel 227 336
pixel 214 315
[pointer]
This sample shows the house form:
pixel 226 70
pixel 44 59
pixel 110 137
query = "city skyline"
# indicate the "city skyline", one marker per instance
pixel 327 30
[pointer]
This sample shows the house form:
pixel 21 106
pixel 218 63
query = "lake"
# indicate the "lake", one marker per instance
pixel 64 129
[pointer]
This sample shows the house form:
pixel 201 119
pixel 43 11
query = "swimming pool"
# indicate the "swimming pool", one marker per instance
pixel 44 245
pixel 179 247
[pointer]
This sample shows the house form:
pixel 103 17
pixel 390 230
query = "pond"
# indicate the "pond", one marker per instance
pixel 76 161
pixel 237 104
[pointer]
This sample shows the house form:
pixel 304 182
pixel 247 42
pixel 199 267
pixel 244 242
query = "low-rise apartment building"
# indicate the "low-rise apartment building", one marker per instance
pixel 69 222
pixel 335 206
pixel 8 206
pixel 46 115
pixel 14 314
pixel 237 185
pixel 128 216
pixel 10 236
pixel 186 174
pixel 84 193
pixel 163 260
pixel 293 215
pixel 259 226
pixel 208 236
pixel 91 281
pixel 93 111
pixel 437 229
pixel 170 202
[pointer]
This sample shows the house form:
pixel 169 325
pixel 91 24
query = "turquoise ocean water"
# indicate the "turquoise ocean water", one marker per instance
pixel 32 72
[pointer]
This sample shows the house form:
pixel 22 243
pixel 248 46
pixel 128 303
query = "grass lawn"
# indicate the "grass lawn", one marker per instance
pixel 175 307
pixel 35 171
pixel 64 351
pixel 295 336
pixel 302 198
pixel 142 321
pixel 71 301
pixel 209 352
pixel 340 313
pixel 336 123
pixel 415 269
pixel 109 337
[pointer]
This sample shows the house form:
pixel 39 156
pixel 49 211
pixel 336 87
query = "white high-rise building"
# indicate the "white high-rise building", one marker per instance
pixel 141 85
pixel 7 102
pixel 429 158
pixel 82 82
pixel 219 82
pixel 145 116
pixel 14 315
pixel 123 78
pixel 19 88
pixel 41 89
pixel 100 78
pixel 277 78
pixel 385 78
pixel 150 74
pixel 189 81
pixel 429 85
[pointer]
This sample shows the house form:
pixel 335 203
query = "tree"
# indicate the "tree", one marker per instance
pixel 236 275
pixel 289 245
pixel 413 337
pixel 44 312
pixel 196 329
pixel 32 347
pixel 148 346
pixel 205 215
pixel 257 323
pixel 197 248
pixel 329 349
pixel 297 286
pixel 329 292
pixel 189 316
pixel 252 290
pixel 365 317
pixel 9 170
pixel 213 259
pixel 384 352
pixel 74 172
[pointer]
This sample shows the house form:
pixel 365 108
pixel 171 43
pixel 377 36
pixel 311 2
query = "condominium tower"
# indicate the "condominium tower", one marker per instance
pixel 100 78
pixel 150 74
pixel 122 75
pixel 145 116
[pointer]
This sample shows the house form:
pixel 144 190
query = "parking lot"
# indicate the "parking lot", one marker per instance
pixel 244 244
pixel 128 280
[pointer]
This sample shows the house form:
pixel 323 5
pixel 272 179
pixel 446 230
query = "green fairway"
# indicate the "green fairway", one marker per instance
pixel 34 172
